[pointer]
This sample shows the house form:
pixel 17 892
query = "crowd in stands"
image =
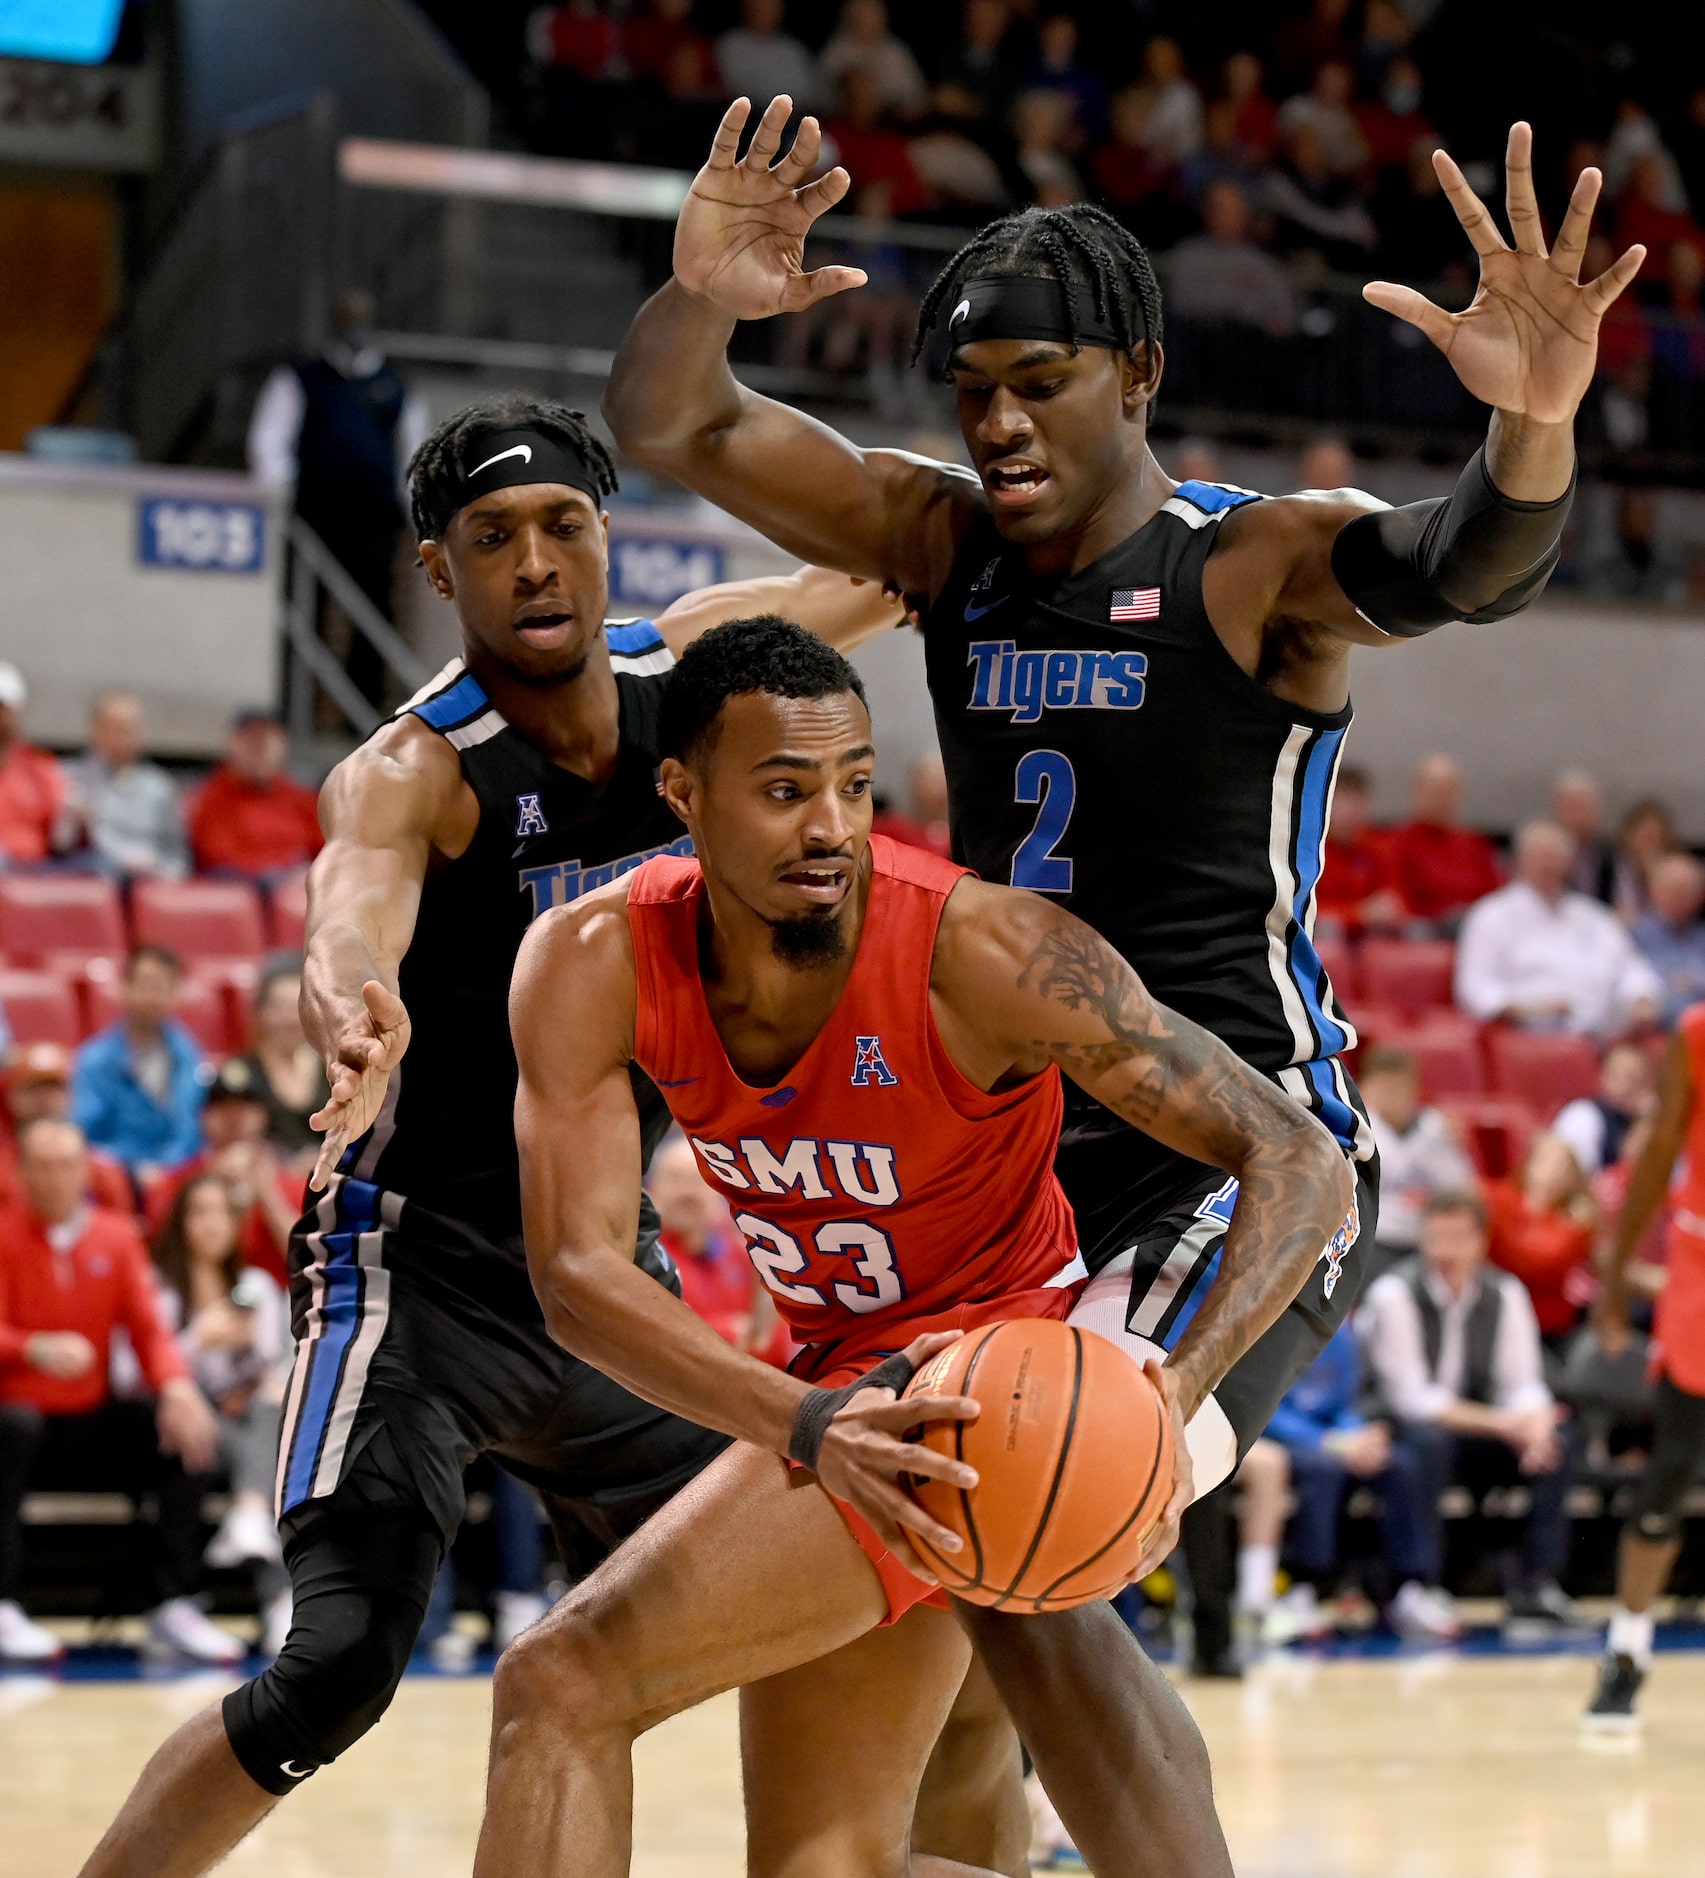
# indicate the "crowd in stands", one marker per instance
pixel 1296 145
pixel 154 1147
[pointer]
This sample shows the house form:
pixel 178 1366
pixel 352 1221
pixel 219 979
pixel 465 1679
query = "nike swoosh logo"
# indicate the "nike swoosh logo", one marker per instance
pixel 977 612
pixel 523 450
pixel 779 1100
pixel 958 313
pixel 680 1084
pixel 293 1773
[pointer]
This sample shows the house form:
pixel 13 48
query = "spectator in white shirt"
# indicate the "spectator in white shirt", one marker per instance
pixel 1453 1347
pixel 1419 1154
pixel 123 807
pixel 759 61
pixel 1539 954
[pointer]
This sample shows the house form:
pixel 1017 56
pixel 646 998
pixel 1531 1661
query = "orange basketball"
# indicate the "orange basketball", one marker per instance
pixel 1073 1452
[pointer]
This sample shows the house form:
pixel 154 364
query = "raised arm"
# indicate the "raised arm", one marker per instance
pixel 1527 345
pixel 578 1130
pixel 674 405
pixel 383 809
pixel 843 610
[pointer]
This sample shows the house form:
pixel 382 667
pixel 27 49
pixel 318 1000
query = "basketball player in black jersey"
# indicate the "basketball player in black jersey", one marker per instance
pixel 522 776
pixel 1141 690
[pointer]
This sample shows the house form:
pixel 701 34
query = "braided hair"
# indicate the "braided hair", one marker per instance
pixel 1082 247
pixel 435 480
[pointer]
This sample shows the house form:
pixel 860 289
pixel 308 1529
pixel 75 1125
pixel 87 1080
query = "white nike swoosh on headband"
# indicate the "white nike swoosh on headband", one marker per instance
pixel 959 312
pixel 523 450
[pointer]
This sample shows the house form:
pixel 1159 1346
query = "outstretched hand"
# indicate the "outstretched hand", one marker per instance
pixel 1528 342
pixel 359 1071
pixel 740 239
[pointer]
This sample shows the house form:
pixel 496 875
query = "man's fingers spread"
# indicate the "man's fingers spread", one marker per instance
pixel 1416 309
pixel 1520 203
pixel 1577 222
pixel 932 1342
pixel 925 1408
pixel 727 139
pixel 1600 293
pixel 766 139
pixel 801 159
pixel 914 1458
pixel 818 197
pixel 1471 212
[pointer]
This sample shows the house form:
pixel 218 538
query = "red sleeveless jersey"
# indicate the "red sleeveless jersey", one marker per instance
pixel 880 1193
pixel 1679 1320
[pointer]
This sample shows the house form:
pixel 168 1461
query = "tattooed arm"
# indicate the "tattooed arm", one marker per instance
pixel 1019 983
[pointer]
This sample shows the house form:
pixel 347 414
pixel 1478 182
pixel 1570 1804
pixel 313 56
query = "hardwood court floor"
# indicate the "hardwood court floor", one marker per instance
pixel 1418 1767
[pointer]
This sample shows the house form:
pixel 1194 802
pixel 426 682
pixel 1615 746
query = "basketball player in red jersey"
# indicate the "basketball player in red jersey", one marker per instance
pixel 1652 1537
pixel 863 1044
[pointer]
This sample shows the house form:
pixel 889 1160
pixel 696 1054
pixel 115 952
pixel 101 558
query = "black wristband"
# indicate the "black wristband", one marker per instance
pixel 821 1406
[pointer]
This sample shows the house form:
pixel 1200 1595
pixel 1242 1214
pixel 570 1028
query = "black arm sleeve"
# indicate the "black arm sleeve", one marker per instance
pixel 1473 555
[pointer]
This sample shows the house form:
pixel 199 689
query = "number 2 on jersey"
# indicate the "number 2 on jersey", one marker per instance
pixel 1045 777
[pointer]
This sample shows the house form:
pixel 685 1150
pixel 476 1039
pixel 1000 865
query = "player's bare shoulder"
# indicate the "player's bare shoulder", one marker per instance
pixel 405 782
pixel 575 971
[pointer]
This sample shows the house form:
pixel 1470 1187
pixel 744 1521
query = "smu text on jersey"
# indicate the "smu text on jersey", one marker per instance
pixel 861 1170
pixel 1031 682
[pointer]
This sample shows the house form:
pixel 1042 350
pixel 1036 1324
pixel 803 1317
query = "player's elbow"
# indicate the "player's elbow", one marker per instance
pixel 662 434
pixel 564 1289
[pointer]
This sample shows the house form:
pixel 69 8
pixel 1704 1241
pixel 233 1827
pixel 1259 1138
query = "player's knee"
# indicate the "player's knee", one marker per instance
pixel 568 1672
pixel 334 1678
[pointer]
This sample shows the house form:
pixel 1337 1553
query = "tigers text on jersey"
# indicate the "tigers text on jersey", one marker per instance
pixel 1103 747
pixel 880 1193
pixel 446 1135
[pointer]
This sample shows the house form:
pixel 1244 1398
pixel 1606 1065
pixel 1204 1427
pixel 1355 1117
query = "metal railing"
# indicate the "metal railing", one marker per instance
pixel 313 577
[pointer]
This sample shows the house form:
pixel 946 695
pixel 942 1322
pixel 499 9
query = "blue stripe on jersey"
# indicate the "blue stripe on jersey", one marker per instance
pixel 1306 969
pixel 1212 498
pixel 466 698
pixel 1199 1289
pixel 640 636
pixel 1335 1112
pixel 356 1210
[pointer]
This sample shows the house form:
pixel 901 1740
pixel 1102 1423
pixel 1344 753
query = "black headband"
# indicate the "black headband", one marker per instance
pixel 504 459
pixel 1023 306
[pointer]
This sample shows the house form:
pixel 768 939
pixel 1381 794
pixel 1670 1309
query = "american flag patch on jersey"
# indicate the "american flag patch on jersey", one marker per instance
pixel 1134 603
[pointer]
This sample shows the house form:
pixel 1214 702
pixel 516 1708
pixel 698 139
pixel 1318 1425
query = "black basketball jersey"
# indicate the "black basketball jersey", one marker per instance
pixel 445 1138
pixel 1104 748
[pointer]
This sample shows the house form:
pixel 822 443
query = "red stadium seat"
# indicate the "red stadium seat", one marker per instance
pixel 1542 1069
pixel 1497 1131
pixel 233 983
pixel 203 1011
pixel 287 914
pixel 66 913
pixel 1446 1048
pixel 40 1007
pixel 1340 963
pixel 199 919
pixel 1413 975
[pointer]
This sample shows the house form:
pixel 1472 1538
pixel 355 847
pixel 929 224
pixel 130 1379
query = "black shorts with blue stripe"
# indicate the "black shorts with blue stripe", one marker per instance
pixel 411 1321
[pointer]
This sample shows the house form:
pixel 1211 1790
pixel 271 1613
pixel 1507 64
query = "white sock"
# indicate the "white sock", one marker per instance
pixel 1631 1635
pixel 1256 1567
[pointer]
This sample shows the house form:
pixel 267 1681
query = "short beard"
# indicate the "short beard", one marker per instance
pixel 810 941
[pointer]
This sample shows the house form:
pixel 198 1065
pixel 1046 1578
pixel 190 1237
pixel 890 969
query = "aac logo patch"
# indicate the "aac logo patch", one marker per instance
pixel 529 816
pixel 869 1066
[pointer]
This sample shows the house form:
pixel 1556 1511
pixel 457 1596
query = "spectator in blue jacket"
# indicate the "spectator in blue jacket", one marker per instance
pixel 1329 1445
pixel 137 1087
